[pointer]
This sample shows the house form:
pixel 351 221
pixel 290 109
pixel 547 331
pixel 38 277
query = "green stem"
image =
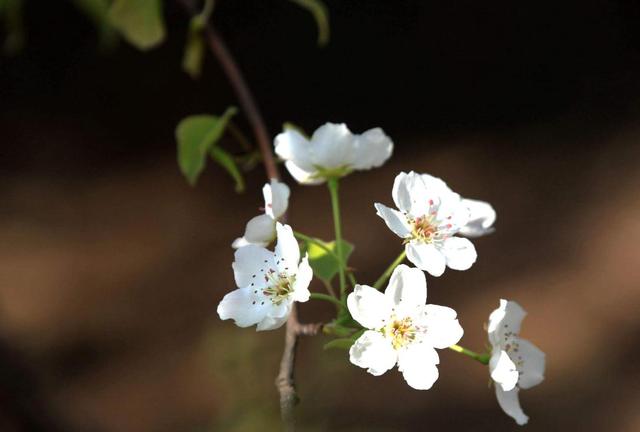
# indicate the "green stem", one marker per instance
pixel 482 358
pixel 329 288
pixel 387 273
pixel 332 183
pixel 325 297
pixel 352 278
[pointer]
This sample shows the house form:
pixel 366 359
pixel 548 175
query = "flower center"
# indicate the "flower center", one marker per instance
pixel 400 331
pixel 279 287
pixel 424 228
pixel 511 344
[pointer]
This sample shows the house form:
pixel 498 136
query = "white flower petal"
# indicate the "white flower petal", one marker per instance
pixel 507 318
pixel 503 370
pixel 332 146
pixel 417 362
pixel 371 149
pixel 240 242
pixel 369 307
pixel 533 364
pixel 452 214
pixel 459 252
pixel 410 194
pixel 260 230
pixel 482 216
pixel 395 220
pixel 407 290
pixel 290 145
pixel 272 323
pixel 443 328
pixel 307 177
pixel 510 404
pixel 287 249
pixel 303 279
pixel 374 352
pixel 250 265
pixel 276 198
pixel 426 257
pixel 244 307
pixel 439 187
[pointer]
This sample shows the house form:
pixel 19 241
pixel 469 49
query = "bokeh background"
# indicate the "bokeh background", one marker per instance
pixel 111 266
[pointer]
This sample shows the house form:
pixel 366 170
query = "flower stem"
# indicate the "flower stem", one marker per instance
pixel 387 273
pixel 332 183
pixel 325 297
pixel 482 358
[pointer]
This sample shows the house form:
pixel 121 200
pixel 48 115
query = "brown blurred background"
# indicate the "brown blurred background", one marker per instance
pixel 111 267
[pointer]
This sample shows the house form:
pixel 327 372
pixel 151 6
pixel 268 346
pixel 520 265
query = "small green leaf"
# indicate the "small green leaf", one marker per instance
pixel 344 344
pixel 323 259
pixel 225 160
pixel 333 328
pixel 139 21
pixel 193 50
pixel 98 12
pixel 196 135
pixel 321 15
pixel 11 12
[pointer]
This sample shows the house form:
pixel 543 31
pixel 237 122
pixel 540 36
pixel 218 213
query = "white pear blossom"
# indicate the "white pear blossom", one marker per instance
pixel 268 283
pixel 515 363
pixel 401 328
pixel 261 230
pixel 332 151
pixel 429 217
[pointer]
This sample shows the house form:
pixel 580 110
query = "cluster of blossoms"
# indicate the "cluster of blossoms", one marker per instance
pixel 396 327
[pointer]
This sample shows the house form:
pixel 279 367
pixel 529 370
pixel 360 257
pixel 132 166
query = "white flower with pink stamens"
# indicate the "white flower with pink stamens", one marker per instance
pixel 268 283
pixel 429 217
pixel 515 363
pixel 261 230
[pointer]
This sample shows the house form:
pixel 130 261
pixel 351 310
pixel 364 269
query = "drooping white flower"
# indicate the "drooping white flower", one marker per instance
pixel 261 230
pixel 268 283
pixel 515 363
pixel 401 328
pixel 332 151
pixel 429 217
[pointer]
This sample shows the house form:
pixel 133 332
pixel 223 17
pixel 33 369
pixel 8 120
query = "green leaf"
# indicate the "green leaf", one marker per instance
pixel 321 15
pixel 193 52
pixel 11 12
pixel 344 344
pixel 98 12
pixel 336 329
pixel 323 258
pixel 227 162
pixel 139 21
pixel 196 135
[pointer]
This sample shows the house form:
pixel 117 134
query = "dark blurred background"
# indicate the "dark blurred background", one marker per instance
pixel 111 266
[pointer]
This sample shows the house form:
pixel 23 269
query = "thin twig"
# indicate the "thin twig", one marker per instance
pixel 243 93
pixel 285 380
pixel 294 329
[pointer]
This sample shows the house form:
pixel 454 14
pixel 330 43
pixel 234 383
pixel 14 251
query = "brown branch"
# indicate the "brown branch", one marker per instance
pixel 285 380
pixel 294 329
pixel 243 93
